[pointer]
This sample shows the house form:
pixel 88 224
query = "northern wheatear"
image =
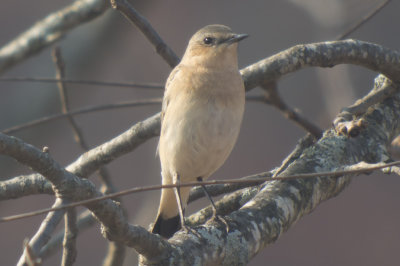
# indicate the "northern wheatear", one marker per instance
pixel 202 113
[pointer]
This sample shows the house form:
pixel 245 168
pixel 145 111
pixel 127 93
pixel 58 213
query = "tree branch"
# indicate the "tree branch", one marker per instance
pixel 70 235
pixel 24 185
pixel 145 27
pixel 43 234
pixel 85 221
pixel 49 30
pixel 85 110
pixel 324 54
pixel 277 205
pixel 146 86
pixel 267 70
pixel 365 19
pixel 71 187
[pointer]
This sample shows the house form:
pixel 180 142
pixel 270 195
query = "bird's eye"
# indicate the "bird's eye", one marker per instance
pixel 208 40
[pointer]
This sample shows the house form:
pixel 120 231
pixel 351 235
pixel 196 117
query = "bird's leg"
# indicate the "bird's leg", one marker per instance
pixel 214 208
pixel 177 190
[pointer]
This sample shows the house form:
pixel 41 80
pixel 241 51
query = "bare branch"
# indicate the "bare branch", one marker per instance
pixel 328 153
pixel 31 258
pixel 363 20
pixel 85 221
pixel 242 182
pixel 273 98
pixel 92 160
pixel 25 185
pixel 215 190
pixel 145 27
pixel 115 254
pixel 85 110
pixel 69 186
pixel 324 54
pixel 219 189
pixel 69 243
pixel 44 232
pixel 84 82
pixel 276 205
pixel 88 163
pixel 344 123
pixel 266 70
pixel 60 74
pixel 49 30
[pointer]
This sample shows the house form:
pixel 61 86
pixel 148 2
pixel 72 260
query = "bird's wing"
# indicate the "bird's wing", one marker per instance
pixel 166 98
pixel 167 91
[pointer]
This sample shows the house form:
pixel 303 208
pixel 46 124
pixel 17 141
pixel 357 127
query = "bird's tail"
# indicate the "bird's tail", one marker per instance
pixel 166 227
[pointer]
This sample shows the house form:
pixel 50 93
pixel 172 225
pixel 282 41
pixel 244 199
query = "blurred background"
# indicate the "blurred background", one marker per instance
pixel 359 227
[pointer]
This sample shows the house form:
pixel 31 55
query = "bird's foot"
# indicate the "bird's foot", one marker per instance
pixel 216 217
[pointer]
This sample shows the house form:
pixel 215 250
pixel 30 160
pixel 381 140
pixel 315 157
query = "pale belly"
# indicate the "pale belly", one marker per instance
pixel 198 141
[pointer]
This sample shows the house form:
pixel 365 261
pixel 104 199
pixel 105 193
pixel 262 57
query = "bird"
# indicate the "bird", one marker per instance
pixel 202 112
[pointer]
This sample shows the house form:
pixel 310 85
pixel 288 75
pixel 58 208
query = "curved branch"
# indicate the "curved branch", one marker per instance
pixel 71 187
pixel 267 70
pixel 283 202
pixel 323 54
pixel 92 160
pixel 145 27
pixel 279 204
pixel 49 30
pixel 87 163
pixel 24 185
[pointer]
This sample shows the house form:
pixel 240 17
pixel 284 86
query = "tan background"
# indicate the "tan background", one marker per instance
pixel 359 227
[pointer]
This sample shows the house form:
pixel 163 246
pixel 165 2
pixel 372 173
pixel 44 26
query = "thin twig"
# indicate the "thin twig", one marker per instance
pixel 145 27
pixel 69 243
pixel 69 186
pixel 84 82
pixel 363 20
pixel 97 108
pixel 273 98
pixel 219 189
pixel 255 181
pixel 216 190
pixel 88 109
pixel 60 74
pixel 69 251
pixel 85 221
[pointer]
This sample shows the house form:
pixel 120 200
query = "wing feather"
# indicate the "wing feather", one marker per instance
pixel 166 98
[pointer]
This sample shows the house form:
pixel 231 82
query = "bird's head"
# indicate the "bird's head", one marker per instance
pixel 213 45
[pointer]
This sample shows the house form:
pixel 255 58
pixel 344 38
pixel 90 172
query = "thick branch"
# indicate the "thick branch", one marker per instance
pixel 324 54
pixel 71 187
pixel 267 70
pixel 279 204
pixel 49 30
pixel 25 185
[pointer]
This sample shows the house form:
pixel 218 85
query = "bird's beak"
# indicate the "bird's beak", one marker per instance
pixel 236 38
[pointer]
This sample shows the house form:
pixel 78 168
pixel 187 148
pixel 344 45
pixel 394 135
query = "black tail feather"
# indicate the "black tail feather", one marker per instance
pixel 166 227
